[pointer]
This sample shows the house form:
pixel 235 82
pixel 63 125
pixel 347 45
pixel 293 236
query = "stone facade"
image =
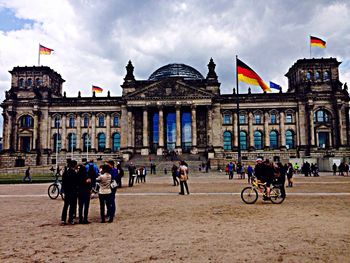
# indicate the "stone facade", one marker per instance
pixel 179 110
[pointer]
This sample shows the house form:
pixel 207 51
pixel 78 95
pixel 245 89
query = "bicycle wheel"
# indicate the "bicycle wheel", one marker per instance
pixel 53 191
pixel 249 195
pixel 276 196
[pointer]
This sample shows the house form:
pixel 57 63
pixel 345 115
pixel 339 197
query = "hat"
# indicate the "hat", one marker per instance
pixel 259 160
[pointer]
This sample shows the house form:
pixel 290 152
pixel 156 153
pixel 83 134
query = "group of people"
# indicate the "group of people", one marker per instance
pixel 78 181
pixel 343 169
pixel 180 176
pixel 138 173
pixel 309 169
pixel 240 169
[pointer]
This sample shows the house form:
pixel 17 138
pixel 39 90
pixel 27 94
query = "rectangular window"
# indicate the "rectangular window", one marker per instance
pixel 227 119
pixel 273 119
pixel 289 118
pixel 116 121
pixel 242 119
pixel 258 119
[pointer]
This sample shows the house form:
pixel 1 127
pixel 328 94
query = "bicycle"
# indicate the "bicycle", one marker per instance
pixel 55 189
pixel 250 194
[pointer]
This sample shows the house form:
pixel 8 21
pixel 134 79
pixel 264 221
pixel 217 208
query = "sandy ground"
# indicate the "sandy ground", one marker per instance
pixel 155 224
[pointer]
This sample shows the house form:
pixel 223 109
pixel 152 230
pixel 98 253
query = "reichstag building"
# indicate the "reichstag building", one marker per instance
pixel 179 110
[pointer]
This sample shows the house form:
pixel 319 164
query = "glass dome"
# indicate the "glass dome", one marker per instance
pixel 176 70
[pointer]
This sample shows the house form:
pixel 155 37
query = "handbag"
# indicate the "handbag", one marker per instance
pixel 114 184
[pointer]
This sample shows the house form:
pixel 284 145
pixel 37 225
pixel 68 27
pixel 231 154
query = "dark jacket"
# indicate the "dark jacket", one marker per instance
pixel 70 182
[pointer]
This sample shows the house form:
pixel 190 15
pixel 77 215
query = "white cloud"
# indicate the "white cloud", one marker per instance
pixel 93 40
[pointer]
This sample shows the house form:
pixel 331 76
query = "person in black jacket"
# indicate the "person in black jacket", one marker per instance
pixel 281 180
pixel 84 191
pixel 70 186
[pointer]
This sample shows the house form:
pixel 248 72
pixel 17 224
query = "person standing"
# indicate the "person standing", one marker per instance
pixel 70 186
pixel 132 171
pixel 114 176
pixel 120 173
pixel 281 179
pixel 334 167
pixel 27 175
pixel 183 173
pixel 174 173
pixel 84 190
pixel 104 193
pixel 230 170
pixel 290 172
pixel 250 173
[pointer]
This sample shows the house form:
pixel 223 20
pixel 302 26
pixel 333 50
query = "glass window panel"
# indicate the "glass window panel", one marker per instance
pixel 243 140
pixel 258 140
pixel 227 141
pixel 273 140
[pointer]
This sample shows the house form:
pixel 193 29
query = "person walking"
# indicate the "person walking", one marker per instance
pixel 281 179
pixel 104 193
pixel 120 173
pixel 27 175
pixel 84 190
pixel 250 171
pixel 290 172
pixel 230 170
pixel 183 173
pixel 334 167
pixel 132 171
pixel 70 186
pixel 174 173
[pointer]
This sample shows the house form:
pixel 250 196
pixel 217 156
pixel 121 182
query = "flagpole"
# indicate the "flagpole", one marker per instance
pixel 238 124
pixel 39 56
pixel 310 44
pixel 57 137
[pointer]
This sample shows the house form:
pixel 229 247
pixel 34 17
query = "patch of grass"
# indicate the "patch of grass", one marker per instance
pixel 17 178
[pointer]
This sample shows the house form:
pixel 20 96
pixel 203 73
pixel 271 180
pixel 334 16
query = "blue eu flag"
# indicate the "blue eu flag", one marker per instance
pixel 275 86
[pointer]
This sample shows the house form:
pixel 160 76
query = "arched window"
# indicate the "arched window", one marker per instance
pixel 317 75
pixel 21 82
pixel 115 121
pixel 30 82
pixel 86 121
pixel 86 142
pixel 258 140
pixel 56 142
pixel 72 141
pixel 326 75
pixel 227 141
pixel 37 82
pixel 243 140
pixel 116 142
pixel 321 116
pixel 273 140
pixel 26 121
pixel 290 139
pixel 257 119
pixel 101 121
pixel 57 122
pixel 71 122
pixel 101 138
pixel 273 118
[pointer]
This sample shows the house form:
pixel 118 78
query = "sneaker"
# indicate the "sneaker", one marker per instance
pixel 63 223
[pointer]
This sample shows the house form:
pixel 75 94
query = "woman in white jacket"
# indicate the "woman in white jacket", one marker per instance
pixel 104 193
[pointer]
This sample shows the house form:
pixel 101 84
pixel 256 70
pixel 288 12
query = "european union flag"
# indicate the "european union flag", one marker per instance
pixel 275 86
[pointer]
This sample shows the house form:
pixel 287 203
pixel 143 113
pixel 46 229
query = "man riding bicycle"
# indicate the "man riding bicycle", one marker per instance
pixel 264 172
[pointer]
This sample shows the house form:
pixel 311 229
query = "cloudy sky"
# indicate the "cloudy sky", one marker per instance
pixel 93 40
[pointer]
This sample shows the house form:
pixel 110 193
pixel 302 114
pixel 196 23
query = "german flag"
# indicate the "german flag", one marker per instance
pixel 96 89
pixel 247 75
pixel 45 50
pixel 317 42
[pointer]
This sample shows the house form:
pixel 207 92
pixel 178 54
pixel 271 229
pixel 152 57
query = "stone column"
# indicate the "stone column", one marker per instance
pixel 178 130
pixel 14 139
pixel 124 128
pixel 93 132
pixel 43 128
pixel 297 130
pixel 235 130
pixel 49 137
pixel 130 129
pixel 266 131
pixel 312 129
pixel 282 130
pixel 108 132
pixel 145 149
pixel 210 127
pixel 302 125
pixel 35 130
pixel 194 149
pixel 160 132
pixel 79 132
pixel 342 125
pixel 6 130
pixel 250 130
pixel 64 133
pixel 217 130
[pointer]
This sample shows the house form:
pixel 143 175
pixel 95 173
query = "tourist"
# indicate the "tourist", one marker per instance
pixel 250 171
pixel 27 175
pixel 290 172
pixel 84 190
pixel 174 173
pixel 93 171
pixel 143 174
pixel 132 172
pixel 231 167
pixel 104 193
pixel 183 173
pixel 120 173
pixel 347 169
pixel 281 178
pixel 70 186
pixel 138 174
pixel 114 175
pixel 296 168
pixel 334 167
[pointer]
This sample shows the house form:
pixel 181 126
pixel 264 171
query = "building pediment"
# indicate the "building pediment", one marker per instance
pixel 169 89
